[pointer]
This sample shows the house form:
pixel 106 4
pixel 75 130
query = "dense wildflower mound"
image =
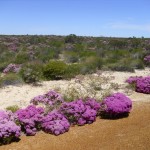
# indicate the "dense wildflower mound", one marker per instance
pixel 9 130
pixel 92 103
pixel 115 106
pixel 30 119
pixel 79 112
pixel 51 98
pixel 55 123
pixel 142 84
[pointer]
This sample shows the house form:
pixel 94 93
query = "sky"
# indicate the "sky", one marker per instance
pixel 111 18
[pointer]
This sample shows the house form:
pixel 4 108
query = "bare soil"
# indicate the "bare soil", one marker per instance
pixel 131 133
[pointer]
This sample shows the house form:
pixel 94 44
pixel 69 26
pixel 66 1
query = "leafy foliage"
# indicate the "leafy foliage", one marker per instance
pixel 54 70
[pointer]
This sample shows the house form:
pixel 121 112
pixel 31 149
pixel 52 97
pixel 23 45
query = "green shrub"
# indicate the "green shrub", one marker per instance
pixel 120 67
pixel 32 73
pixel 10 79
pixel 13 108
pixel 21 58
pixel 137 64
pixel 72 38
pixel 91 64
pixel 72 58
pixel 72 70
pixel 3 66
pixel 85 54
pixel 54 70
pixel 45 54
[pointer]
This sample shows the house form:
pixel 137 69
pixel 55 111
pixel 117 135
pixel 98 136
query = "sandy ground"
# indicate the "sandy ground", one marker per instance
pixel 21 95
pixel 131 133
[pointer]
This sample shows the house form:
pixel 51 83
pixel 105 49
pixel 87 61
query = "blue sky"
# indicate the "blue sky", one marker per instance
pixel 119 18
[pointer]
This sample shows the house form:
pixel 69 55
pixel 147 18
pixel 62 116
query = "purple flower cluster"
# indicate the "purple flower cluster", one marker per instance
pixel 51 98
pixel 8 128
pixel 92 103
pixel 30 118
pixel 115 106
pixel 79 112
pixel 142 84
pixel 147 58
pixel 133 80
pixel 55 123
pixel 12 68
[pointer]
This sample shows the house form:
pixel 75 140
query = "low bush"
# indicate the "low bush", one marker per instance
pixel 120 67
pixel 13 108
pixel 21 58
pixel 71 57
pixel 137 64
pixel 72 70
pixel 55 123
pixel 31 73
pixel 142 84
pixel 78 112
pixel 30 119
pixel 3 66
pixel 51 99
pixel 9 130
pixel 115 106
pixel 54 70
pixel 91 64
pixel 10 79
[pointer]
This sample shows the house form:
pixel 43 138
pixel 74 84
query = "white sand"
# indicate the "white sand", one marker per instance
pixel 21 95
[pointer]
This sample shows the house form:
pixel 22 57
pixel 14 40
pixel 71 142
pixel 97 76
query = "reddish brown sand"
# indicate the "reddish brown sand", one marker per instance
pixel 132 133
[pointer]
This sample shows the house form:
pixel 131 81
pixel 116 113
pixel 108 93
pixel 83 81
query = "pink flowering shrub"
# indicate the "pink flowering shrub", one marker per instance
pixel 92 103
pixel 147 58
pixel 9 130
pixel 12 68
pixel 115 106
pixel 51 98
pixel 142 84
pixel 55 123
pixel 30 119
pixel 79 112
pixel 133 80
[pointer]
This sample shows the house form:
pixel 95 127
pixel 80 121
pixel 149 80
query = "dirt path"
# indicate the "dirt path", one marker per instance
pixel 132 133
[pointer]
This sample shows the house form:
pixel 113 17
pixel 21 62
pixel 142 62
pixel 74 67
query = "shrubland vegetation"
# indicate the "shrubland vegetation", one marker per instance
pixel 35 58
pixel 31 59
